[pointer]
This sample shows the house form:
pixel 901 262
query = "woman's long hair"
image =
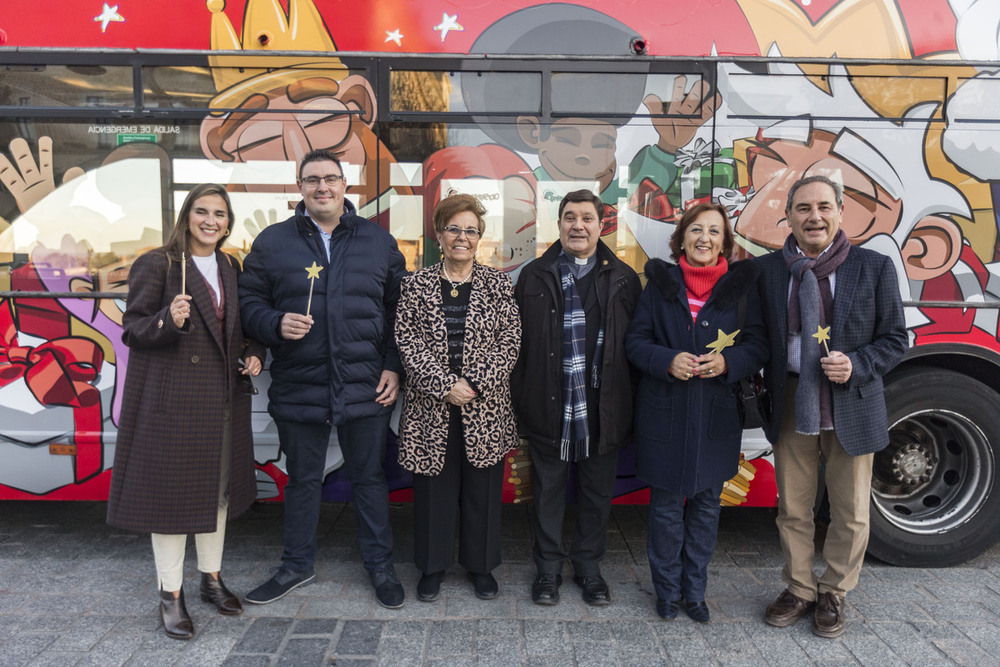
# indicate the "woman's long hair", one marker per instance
pixel 177 241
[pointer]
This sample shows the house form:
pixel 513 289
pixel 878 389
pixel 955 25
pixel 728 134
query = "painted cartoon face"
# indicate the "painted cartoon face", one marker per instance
pixel 320 114
pixel 868 208
pixel 324 201
pixel 208 222
pixel 703 239
pixel 460 238
pixel 577 150
pixel 579 229
pixel 814 217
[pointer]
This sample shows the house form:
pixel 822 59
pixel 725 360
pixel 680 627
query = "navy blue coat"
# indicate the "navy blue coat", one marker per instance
pixel 688 433
pixel 331 374
pixel 867 326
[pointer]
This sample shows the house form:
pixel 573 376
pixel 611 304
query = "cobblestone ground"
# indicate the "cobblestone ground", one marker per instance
pixel 76 592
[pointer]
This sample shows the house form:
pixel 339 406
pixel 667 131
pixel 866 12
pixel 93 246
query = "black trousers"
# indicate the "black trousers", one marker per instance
pixel 595 477
pixel 463 494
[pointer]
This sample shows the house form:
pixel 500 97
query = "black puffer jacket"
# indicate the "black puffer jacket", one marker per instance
pixel 537 380
pixel 332 373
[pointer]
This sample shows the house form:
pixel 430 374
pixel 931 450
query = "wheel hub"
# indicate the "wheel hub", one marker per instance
pixel 912 464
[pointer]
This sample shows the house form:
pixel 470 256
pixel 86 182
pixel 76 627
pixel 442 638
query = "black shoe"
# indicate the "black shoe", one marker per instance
pixel 545 589
pixel 281 584
pixel 174 615
pixel 485 585
pixel 698 611
pixel 388 591
pixel 429 586
pixel 595 590
pixel 214 591
pixel 668 610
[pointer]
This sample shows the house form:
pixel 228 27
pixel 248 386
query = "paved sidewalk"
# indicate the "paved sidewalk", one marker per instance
pixel 75 592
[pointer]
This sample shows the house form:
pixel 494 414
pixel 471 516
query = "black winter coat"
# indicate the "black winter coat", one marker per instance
pixel 331 374
pixel 688 433
pixel 537 380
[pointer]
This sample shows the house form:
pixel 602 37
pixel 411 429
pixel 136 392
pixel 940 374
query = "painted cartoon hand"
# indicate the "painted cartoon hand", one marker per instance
pixel 258 222
pixel 30 181
pixel 675 124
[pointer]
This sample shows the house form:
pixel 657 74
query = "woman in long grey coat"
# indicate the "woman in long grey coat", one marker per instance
pixel 184 454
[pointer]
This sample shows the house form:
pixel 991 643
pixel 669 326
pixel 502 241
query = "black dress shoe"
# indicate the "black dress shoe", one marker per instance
pixel 214 591
pixel 595 590
pixel 697 611
pixel 484 585
pixel 429 586
pixel 668 610
pixel 174 615
pixel 545 589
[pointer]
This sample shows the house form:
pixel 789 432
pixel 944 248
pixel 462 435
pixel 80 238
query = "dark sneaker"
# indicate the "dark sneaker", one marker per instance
pixel 828 619
pixel 786 610
pixel 281 584
pixel 388 591
pixel 667 610
pixel 545 589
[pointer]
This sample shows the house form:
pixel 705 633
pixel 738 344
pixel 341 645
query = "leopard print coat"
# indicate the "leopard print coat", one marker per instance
pixel 492 342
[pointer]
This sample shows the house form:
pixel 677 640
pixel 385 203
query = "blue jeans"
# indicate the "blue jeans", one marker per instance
pixel 362 442
pixel 681 541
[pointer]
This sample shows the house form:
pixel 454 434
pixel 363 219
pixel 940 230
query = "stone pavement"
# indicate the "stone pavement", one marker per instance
pixel 75 592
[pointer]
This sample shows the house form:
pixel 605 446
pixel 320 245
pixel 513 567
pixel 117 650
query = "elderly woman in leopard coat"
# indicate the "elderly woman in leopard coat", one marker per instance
pixel 458 332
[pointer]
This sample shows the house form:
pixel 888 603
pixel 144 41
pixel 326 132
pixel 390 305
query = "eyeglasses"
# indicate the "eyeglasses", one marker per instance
pixel 472 232
pixel 313 181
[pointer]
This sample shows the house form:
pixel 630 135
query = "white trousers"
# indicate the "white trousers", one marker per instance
pixel 168 550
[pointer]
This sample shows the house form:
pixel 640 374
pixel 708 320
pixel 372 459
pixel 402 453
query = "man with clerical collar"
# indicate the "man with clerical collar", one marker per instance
pixel 573 389
pixel 320 289
pixel 835 320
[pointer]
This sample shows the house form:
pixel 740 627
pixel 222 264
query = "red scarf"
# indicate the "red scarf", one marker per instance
pixel 699 281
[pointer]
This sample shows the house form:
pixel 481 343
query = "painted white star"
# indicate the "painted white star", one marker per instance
pixel 448 23
pixel 394 36
pixel 107 15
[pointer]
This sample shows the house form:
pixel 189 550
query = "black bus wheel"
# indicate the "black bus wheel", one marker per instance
pixel 935 492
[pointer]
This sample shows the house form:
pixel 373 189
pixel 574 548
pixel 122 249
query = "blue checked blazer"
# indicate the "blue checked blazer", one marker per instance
pixel 867 326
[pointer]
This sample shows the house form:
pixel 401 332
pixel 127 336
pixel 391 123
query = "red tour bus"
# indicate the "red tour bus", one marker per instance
pixel 109 115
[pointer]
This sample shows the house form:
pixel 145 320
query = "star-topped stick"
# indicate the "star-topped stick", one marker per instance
pixel 184 272
pixel 313 273
pixel 822 335
pixel 723 341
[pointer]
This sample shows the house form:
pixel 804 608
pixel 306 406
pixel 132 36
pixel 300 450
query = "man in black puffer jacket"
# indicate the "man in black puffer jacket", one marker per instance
pixel 320 289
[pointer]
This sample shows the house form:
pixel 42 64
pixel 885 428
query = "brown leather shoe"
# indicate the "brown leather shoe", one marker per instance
pixel 174 615
pixel 786 610
pixel 215 592
pixel 828 619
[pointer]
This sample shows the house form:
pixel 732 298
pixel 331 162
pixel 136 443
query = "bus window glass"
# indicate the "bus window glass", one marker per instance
pixel 80 86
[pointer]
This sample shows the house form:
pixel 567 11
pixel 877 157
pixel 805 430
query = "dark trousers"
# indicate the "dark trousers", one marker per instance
pixel 681 540
pixel 461 492
pixel 595 478
pixel 362 442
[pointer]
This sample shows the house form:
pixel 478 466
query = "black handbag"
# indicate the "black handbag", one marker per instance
pixel 752 397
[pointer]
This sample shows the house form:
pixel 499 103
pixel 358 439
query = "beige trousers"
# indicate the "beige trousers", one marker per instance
pixel 168 550
pixel 797 460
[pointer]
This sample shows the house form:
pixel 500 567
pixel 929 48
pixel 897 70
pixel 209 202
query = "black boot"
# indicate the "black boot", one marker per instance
pixel 214 591
pixel 176 620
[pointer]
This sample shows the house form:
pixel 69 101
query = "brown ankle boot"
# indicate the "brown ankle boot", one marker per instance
pixel 174 614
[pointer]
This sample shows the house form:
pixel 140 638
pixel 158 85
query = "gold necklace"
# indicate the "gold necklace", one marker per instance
pixel 454 285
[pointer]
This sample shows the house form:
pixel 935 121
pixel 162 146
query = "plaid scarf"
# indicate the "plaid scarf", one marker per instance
pixel 575 440
pixel 810 306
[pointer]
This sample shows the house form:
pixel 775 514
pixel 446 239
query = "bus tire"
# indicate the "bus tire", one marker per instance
pixel 935 498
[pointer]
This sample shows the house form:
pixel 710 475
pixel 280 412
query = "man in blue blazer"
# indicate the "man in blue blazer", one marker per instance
pixel 836 326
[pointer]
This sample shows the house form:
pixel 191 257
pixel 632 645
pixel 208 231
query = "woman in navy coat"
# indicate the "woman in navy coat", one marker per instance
pixel 687 425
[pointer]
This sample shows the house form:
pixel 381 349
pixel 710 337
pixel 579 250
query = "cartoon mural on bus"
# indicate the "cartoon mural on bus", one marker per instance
pixel 912 136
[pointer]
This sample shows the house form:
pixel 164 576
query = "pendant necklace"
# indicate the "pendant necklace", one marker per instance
pixel 454 285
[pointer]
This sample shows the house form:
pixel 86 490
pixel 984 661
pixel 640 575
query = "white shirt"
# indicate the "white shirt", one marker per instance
pixel 210 269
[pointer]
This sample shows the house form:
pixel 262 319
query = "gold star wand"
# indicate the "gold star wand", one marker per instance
pixel 723 341
pixel 822 335
pixel 313 273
